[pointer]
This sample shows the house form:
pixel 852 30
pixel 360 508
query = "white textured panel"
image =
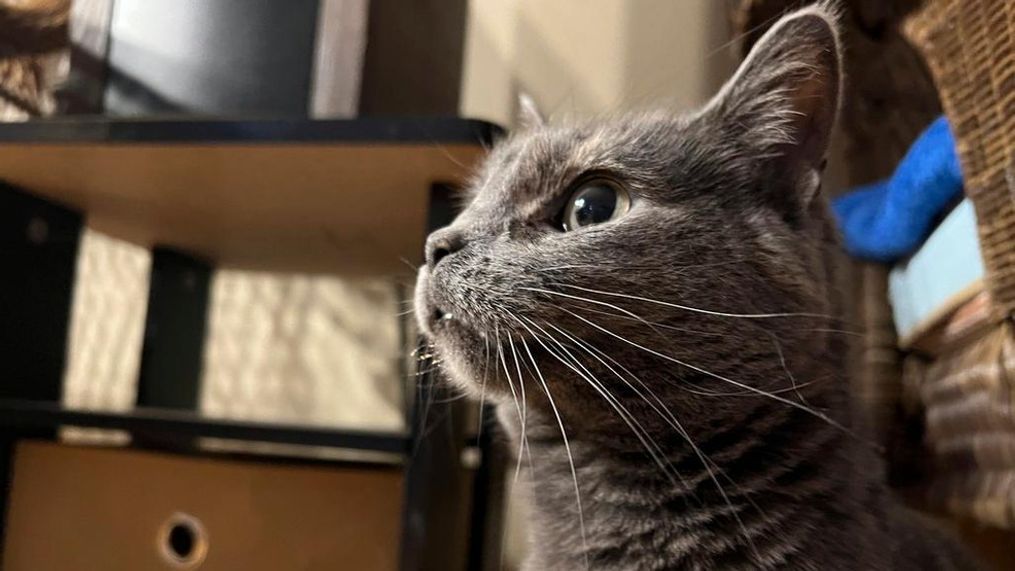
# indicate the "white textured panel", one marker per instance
pixel 304 349
pixel 280 347
pixel 107 323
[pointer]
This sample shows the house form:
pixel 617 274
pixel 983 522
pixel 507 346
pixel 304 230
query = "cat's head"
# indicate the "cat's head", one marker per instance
pixel 648 243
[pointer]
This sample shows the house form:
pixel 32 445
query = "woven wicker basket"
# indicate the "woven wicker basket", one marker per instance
pixel 968 401
pixel 967 389
pixel 969 46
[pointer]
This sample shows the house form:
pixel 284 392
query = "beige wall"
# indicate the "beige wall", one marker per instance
pixel 585 57
pixel 580 57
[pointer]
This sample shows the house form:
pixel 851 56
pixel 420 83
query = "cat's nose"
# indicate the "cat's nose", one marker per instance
pixel 442 244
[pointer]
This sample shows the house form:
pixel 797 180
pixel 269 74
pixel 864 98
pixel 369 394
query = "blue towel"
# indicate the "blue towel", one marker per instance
pixel 888 220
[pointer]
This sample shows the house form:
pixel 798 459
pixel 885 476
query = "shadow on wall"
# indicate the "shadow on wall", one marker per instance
pixel 615 56
pixel 678 55
pixel 569 65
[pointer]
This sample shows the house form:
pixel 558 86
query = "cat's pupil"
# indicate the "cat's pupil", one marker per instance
pixel 596 205
pixel 591 204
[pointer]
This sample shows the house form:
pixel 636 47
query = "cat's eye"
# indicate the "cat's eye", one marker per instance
pixel 595 202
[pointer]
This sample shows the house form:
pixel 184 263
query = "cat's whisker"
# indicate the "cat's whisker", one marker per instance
pixel 654 450
pixel 663 411
pixel 412 266
pixel 702 311
pixel 424 372
pixel 627 314
pixel 665 326
pixel 570 456
pixel 785 367
pixel 603 303
pixel 514 397
pixel 451 399
pixel 641 396
pixel 447 154
pixel 756 395
pixel 830 330
pixel 521 442
pixel 525 408
pixel 669 269
pixel 809 410
pixel 482 388
pixel 425 391
pixel 521 381
pixel 651 445
pixel 692 390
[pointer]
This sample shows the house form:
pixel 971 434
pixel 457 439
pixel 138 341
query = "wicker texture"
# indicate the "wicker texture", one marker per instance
pixel 107 324
pixel 33 44
pixel 968 390
pixel 970 48
pixel 970 426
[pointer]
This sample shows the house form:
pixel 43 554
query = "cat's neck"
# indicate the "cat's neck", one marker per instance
pixel 775 475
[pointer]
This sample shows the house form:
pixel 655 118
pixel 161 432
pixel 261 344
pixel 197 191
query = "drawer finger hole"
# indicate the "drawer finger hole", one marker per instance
pixel 182 541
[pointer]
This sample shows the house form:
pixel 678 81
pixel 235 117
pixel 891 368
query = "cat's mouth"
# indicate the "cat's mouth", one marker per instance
pixel 445 325
pixel 441 319
pixel 439 315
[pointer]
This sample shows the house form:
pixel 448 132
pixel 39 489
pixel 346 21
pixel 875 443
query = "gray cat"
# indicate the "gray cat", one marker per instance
pixel 650 302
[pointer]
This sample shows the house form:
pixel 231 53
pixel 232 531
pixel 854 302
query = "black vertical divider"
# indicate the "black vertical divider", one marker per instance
pixel 453 518
pixel 175 327
pixel 38 253
pixel 435 519
pixel 486 529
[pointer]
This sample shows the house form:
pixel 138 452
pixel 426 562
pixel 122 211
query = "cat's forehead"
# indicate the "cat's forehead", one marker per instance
pixel 531 167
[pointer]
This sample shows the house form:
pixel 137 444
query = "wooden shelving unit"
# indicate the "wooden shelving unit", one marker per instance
pixel 349 197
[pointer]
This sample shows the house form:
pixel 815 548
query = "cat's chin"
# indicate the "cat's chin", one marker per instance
pixel 468 360
pixel 460 353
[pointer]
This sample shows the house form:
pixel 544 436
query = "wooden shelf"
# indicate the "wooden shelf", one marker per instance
pixel 345 196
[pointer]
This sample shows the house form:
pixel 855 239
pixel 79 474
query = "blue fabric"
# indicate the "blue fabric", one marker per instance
pixel 889 219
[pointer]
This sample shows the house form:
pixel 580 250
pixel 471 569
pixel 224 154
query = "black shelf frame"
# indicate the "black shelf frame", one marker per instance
pixel 24 416
pixel 367 130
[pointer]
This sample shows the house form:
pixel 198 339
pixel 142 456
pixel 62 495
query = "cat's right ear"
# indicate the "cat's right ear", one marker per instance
pixel 529 116
pixel 781 105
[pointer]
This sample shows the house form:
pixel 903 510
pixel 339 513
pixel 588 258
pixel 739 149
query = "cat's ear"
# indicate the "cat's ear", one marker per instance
pixel 529 116
pixel 783 101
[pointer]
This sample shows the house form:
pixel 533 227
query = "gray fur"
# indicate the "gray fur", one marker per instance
pixel 727 218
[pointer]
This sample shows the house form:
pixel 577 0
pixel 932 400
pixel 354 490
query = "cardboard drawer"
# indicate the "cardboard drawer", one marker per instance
pixel 74 508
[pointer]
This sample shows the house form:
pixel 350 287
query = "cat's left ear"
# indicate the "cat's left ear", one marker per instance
pixel 783 101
